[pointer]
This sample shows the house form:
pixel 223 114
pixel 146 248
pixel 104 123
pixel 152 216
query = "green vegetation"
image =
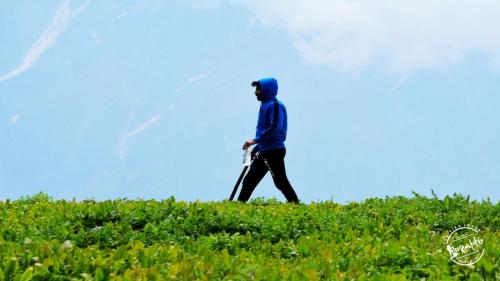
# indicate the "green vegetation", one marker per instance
pixel 395 238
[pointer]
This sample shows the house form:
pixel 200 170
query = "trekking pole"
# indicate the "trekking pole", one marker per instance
pixel 247 158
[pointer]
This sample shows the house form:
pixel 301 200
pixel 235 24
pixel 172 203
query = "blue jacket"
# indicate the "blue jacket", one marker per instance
pixel 272 121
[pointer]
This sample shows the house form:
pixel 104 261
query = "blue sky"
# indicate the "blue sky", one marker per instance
pixel 152 99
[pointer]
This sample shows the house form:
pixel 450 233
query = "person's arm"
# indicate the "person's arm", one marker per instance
pixel 272 112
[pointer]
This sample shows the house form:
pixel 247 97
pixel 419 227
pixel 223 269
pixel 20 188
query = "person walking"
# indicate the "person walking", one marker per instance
pixel 269 152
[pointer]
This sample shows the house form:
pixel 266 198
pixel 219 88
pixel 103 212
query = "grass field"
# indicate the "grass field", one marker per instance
pixel 392 238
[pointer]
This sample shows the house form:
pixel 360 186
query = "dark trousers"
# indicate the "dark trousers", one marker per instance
pixel 272 161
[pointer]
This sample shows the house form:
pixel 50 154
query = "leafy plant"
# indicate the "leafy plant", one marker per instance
pixel 394 238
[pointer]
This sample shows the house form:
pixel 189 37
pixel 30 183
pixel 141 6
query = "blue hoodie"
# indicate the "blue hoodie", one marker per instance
pixel 272 121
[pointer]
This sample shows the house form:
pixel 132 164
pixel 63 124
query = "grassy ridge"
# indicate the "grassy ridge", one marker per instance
pixel 395 238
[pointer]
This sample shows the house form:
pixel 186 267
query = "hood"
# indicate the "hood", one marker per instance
pixel 268 88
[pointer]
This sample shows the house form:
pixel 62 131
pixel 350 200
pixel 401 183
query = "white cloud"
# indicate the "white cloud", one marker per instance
pixel 398 84
pixel 180 88
pixel 122 150
pixel 14 118
pixel 124 13
pixel 398 37
pixel 47 39
pixel 97 39
pixel 79 10
pixel 150 122
pixel 192 80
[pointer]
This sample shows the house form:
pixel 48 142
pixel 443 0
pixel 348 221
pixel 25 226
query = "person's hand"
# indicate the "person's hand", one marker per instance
pixel 253 154
pixel 248 143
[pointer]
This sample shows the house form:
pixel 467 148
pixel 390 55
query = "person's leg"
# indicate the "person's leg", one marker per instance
pixel 255 174
pixel 275 162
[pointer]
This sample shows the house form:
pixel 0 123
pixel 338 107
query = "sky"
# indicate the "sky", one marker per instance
pixel 152 99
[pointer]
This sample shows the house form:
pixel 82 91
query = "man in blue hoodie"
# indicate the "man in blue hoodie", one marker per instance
pixel 269 153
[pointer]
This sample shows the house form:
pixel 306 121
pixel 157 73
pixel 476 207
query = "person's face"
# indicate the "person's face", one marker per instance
pixel 257 94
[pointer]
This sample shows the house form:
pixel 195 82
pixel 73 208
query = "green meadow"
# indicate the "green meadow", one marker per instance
pixel 392 238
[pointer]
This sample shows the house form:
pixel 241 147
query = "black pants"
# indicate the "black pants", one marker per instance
pixel 272 161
